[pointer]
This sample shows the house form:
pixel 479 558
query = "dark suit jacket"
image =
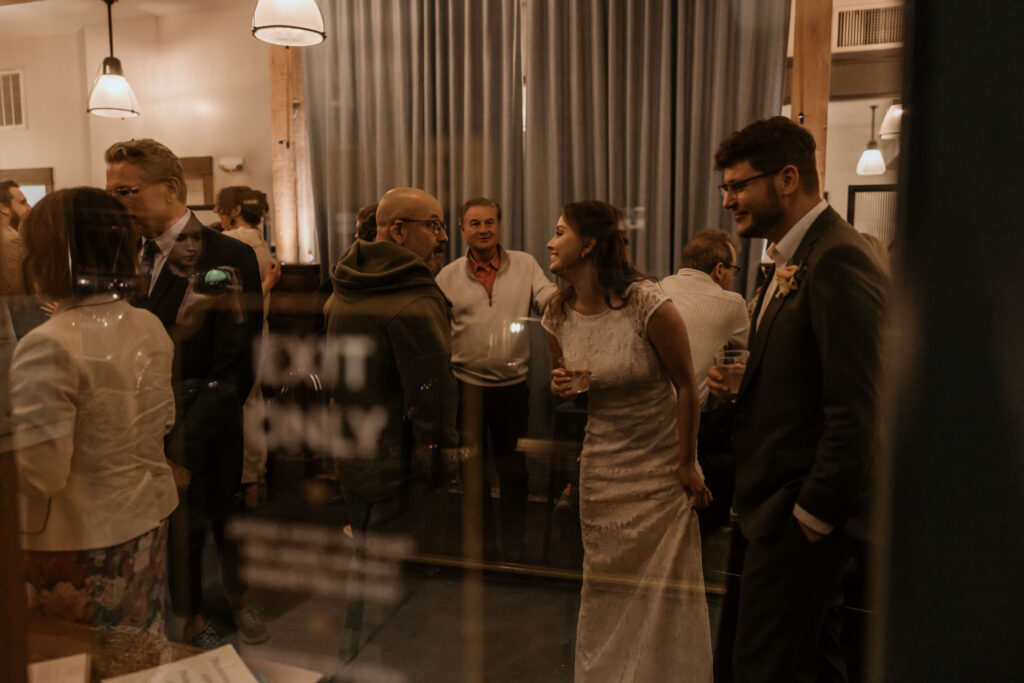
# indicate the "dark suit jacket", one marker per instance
pixel 213 366
pixel 805 422
pixel 204 357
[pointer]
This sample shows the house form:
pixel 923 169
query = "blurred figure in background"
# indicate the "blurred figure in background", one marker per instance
pixel 241 210
pixel 366 223
pixel 92 401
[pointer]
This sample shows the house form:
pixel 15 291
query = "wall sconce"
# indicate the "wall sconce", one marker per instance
pixel 111 94
pixel 871 161
pixel 892 122
pixel 296 23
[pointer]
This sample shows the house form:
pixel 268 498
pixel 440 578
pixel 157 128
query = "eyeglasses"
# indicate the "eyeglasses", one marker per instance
pixel 127 191
pixel 434 225
pixel 725 189
pixel 736 268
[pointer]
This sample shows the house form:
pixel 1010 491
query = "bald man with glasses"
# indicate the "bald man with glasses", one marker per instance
pixel 385 298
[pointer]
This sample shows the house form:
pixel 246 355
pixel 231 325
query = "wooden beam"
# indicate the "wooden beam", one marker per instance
pixel 13 610
pixel 812 48
pixel 282 95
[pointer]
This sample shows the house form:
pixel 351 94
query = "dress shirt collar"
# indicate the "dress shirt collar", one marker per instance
pixel 781 252
pixel 169 236
pixel 494 263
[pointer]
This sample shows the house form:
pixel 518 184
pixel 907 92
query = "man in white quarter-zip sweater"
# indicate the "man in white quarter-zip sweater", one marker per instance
pixel 492 291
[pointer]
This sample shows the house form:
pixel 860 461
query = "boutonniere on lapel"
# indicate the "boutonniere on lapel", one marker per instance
pixel 787 279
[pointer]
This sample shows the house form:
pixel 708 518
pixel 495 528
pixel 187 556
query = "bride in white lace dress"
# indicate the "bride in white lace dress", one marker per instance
pixel 643 614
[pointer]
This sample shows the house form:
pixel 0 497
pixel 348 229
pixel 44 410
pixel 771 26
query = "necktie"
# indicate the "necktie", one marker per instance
pixel 149 252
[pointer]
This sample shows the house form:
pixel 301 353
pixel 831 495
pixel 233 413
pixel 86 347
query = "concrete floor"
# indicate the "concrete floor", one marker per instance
pixel 444 624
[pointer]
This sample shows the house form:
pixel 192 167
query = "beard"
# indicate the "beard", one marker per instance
pixel 765 217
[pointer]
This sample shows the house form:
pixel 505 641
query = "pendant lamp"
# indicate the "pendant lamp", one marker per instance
pixel 297 23
pixel 892 122
pixel 111 94
pixel 871 161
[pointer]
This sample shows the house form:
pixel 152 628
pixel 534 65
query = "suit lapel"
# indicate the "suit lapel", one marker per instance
pixel 759 336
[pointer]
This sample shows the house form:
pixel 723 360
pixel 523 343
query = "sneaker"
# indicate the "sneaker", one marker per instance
pixel 251 627
pixel 207 639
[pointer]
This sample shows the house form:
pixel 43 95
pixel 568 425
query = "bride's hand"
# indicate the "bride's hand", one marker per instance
pixel 561 383
pixel 693 484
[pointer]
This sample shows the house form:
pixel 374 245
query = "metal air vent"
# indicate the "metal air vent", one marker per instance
pixel 12 114
pixel 878 27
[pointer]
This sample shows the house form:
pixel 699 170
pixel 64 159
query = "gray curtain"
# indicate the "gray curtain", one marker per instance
pixel 627 101
pixel 426 93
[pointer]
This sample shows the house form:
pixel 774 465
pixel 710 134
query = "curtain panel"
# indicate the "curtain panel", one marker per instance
pixel 625 101
pixel 424 93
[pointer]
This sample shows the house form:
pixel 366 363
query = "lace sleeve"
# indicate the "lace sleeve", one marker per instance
pixel 549 324
pixel 644 299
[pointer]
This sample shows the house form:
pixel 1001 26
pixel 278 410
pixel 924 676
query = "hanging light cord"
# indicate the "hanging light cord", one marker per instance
pixel 873 106
pixel 110 26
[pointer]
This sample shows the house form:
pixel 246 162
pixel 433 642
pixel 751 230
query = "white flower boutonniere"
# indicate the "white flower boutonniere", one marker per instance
pixel 787 279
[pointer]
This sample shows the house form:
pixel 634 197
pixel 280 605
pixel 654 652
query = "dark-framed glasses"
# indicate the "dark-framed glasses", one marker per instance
pixel 435 225
pixel 737 186
pixel 735 268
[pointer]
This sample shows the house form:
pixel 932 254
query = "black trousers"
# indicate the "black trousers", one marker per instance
pixel 502 413
pixel 789 608
pixel 210 436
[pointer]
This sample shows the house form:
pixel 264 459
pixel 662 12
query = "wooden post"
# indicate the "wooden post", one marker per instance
pixel 13 610
pixel 812 57
pixel 283 89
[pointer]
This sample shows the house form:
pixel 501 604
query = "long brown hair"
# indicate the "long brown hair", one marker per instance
pixel 615 270
pixel 83 229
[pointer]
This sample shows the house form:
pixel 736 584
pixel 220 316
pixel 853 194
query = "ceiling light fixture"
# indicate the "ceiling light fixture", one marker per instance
pixel 871 161
pixel 892 122
pixel 297 23
pixel 111 94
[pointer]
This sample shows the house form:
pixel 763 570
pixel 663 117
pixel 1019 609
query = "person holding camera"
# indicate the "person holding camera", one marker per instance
pixel 213 369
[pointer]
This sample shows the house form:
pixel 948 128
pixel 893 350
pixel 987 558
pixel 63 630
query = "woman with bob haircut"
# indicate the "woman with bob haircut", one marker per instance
pixel 614 333
pixel 91 402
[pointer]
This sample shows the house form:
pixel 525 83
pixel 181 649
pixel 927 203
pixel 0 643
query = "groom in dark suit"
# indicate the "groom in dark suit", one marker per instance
pixel 213 370
pixel 805 420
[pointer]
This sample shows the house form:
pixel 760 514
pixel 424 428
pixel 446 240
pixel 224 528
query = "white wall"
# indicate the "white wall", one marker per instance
pixel 201 79
pixel 57 132
pixel 849 124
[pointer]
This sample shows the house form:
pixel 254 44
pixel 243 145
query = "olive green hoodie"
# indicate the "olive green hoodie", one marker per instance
pixel 386 295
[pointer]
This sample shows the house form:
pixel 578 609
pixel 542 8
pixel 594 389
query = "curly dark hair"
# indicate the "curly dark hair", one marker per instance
pixel 769 145
pixel 615 269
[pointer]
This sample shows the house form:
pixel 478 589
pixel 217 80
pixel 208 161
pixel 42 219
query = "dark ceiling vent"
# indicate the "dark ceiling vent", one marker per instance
pixel 12 114
pixel 868 28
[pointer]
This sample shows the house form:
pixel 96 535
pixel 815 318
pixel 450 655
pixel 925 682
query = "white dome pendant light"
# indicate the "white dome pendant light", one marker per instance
pixel 296 23
pixel 871 161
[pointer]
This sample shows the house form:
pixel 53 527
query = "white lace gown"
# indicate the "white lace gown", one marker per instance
pixel 643 614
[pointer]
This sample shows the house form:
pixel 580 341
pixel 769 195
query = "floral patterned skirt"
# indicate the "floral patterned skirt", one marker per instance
pixel 121 585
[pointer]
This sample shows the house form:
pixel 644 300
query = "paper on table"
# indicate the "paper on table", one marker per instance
pixel 73 669
pixel 283 673
pixel 222 665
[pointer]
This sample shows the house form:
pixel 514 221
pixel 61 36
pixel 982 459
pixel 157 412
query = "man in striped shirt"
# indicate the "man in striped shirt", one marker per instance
pixel 714 316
